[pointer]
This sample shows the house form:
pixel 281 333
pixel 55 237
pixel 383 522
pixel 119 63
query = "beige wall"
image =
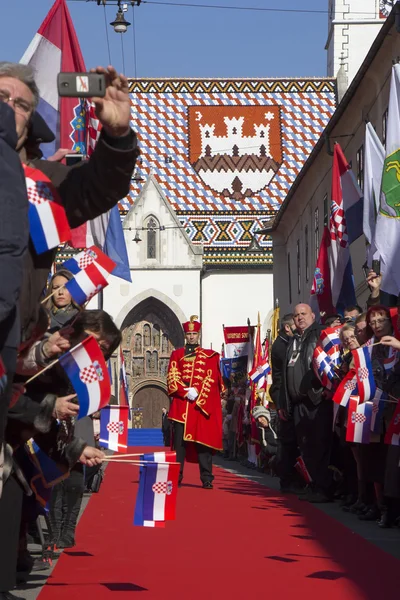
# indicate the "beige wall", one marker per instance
pixel 369 102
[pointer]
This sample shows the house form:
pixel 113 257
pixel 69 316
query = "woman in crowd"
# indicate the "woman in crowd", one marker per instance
pixel 60 305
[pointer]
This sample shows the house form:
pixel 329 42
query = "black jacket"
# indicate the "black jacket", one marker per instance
pixel 278 361
pixel 14 228
pixel 308 384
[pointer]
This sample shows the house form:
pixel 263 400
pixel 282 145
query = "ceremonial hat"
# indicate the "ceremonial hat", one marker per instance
pixel 261 411
pixel 192 326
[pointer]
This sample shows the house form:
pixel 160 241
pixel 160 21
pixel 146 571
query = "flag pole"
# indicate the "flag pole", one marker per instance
pixel 42 371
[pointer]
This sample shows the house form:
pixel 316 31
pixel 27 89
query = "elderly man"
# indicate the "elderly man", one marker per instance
pixel 303 400
pixel 85 192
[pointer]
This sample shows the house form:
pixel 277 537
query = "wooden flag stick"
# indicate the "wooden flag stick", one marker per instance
pixel 138 462
pixel 42 371
pixel 52 294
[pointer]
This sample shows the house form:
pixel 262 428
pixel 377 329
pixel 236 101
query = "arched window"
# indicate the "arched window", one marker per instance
pixel 164 344
pixel 147 335
pixel 152 226
pixel 156 336
pixel 138 343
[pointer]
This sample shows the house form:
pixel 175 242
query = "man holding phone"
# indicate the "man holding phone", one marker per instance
pixel 85 192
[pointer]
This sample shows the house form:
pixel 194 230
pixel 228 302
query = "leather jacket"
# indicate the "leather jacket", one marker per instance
pixel 309 385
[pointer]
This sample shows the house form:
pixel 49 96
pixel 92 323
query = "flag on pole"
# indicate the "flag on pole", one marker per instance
pixel 359 421
pixel 123 381
pixel 114 428
pixel 156 499
pixel 87 257
pixel 345 227
pixel 86 368
pixel 321 294
pixel 259 375
pixel 55 48
pixel 331 344
pixel 346 388
pixel 86 284
pixel 387 231
pixel 324 368
pixel 365 378
pixel 48 224
pixel 254 398
pixel 374 159
pixel 159 457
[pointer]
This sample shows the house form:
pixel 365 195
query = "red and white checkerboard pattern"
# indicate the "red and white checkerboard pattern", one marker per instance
pixel 363 373
pixel 358 418
pixel 89 374
pixel 350 385
pixel 163 487
pixel 38 191
pixel 86 259
pixel 116 427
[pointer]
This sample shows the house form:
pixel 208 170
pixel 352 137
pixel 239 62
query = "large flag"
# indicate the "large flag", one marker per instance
pixel 255 386
pixel 374 159
pixel 345 227
pixel 321 294
pixel 359 421
pixel 114 428
pixel 86 368
pixel 387 231
pixel 237 341
pixel 365 378
pixel 55 48
pixel 156 498
pixel 123 381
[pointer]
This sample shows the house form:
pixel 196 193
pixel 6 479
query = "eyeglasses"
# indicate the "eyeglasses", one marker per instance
pixel 378 322
pixel 19 104
pixel 350 339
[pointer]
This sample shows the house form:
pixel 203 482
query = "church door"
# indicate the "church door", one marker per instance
pixel 151 400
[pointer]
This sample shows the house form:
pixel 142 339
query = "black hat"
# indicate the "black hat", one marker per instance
pixel 39 132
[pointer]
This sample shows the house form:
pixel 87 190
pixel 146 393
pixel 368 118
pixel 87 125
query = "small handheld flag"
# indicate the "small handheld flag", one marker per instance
pixel 301 468
pixel 365 378
pixel 86 284
pixel 114 428
pixel 346 388
pixel 323 367
pixel 85 366
pixel 359 421
pixel 156 499
pixel 330 342
pixel 87 257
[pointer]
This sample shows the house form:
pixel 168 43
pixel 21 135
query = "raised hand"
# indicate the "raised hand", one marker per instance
pixel 114 110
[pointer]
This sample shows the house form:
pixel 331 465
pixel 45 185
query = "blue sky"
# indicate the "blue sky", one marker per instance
pixel 176 41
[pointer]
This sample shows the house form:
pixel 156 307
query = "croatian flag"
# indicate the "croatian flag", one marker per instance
pixel 159 457
pixel 123 381
pixel 86 284
pixel 323 367
pixel 87 257
pixel 301 468
pixel 157 500
pixel 345 227
pixel 48 225
pixel 330 342
pixel 41 472
pixel 260 373
pixel 346 388
pixel 365 378
pixel 3 376
pixel 392 436
pixel 378 406
pixel 55 48
pixel 87 370
pixel 359 421
pixel 114 428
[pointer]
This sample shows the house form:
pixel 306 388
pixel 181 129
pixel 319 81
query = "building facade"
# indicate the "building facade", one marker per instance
pixel 298 227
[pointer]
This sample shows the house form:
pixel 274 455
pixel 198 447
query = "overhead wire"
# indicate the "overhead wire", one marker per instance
pixel 134 42
pixel 108 41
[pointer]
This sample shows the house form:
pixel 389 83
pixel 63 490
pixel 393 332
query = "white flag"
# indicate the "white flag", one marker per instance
pixel 387 232
pixel 374 159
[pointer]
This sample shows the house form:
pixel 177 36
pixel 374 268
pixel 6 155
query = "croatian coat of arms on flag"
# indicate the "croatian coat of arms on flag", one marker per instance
pixel 163 487
pixel 92 373
pixel 236 150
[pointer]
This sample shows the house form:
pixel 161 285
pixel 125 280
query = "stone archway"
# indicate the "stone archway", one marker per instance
pixel 150 332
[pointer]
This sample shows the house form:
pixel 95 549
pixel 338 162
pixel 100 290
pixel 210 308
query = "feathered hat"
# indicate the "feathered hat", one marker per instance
pixel 192 326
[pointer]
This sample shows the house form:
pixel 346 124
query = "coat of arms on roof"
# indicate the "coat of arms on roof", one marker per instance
pixel 236 150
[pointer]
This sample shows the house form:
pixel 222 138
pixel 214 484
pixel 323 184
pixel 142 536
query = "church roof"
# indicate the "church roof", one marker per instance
pixel 226 152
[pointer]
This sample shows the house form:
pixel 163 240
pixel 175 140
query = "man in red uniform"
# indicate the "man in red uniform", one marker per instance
pixel 195 386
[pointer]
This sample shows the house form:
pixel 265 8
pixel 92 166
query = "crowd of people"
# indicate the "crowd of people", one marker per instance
pixel 34 332
pixel 302 425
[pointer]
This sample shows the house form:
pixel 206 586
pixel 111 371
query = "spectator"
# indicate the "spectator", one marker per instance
pixel 165 427
pixel 333 321
pixel 360 330
pixel 351 313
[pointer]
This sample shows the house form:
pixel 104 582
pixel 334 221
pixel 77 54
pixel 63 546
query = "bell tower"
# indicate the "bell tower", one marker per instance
pixel 352 27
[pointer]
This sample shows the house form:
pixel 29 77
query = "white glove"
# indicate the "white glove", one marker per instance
pixel 192 394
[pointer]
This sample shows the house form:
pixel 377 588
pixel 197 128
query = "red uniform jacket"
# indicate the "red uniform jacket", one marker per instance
pixel 203 417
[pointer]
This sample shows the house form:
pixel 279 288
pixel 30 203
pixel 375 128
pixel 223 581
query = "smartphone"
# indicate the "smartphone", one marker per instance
pixel 365 270
pixel 376 266
pixel 73 159
pixel 81 85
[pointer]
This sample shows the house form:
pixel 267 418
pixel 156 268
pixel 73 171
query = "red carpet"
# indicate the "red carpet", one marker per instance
pixel 237 541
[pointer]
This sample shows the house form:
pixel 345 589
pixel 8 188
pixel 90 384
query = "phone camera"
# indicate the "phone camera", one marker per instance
pixel 65 84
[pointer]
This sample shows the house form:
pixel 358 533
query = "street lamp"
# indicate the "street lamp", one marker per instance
pixel 120 25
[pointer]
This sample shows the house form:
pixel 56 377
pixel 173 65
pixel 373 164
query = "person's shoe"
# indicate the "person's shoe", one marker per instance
pixel 373 514
pixel 347 501
pixel 65 545
pixel 207 485
pixel 40 564
pixel 386 520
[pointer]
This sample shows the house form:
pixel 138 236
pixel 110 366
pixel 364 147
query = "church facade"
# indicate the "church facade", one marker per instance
pixel 217 160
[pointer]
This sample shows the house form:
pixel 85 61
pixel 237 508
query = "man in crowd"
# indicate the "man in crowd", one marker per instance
pixel 85 192
pixel 303 399
pixel 351 313
pixel 195 386
pixel 287 444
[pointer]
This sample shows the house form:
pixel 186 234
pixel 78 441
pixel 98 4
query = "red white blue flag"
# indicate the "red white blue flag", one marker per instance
pixel 162 457
pixel 86 284
pixel 48 224
pixel 87 370
pixel 156 499
pixel 330 342
pixel 259 374
pixel 3 376
pixel 393 433
pixel 365 378
pixel 323 367
pixel 114 428
pixel 346 388
pixel 87 257
pixel 123 381
pixel 301 468
pixel 359 421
